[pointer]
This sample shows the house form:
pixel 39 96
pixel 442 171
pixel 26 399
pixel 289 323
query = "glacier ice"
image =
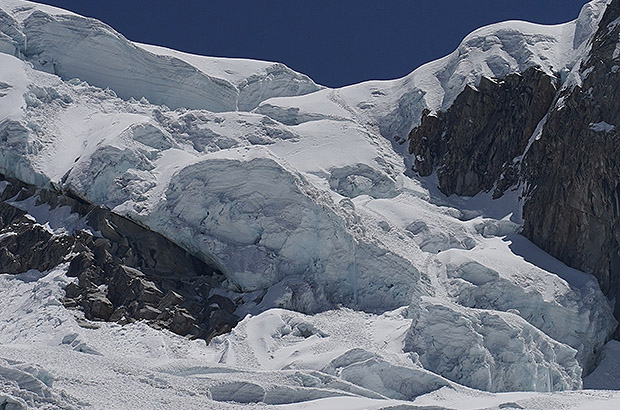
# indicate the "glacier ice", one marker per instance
pixel 72 46
pixel 492 351
pixel 302 197
pixel 261 232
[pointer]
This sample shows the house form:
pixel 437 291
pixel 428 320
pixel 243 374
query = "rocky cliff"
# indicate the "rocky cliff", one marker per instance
pixel 560 145
pixel 124 271
pixel 473 143
pixel 572 206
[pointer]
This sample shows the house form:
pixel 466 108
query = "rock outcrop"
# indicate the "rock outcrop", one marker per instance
pixel 572 207
pixel 473 143
pixel 561 146
pixel 124 271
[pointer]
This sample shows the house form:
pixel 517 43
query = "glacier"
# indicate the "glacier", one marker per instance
pixel 364 285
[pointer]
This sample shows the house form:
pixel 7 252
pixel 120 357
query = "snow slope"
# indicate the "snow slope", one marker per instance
pixel 72 46
pixel 359 280
pixel 50 358
pixel 494 51
pixel 255 81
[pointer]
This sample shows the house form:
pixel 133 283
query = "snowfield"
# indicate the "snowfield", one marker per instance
pixel 366 287
pixel 52 358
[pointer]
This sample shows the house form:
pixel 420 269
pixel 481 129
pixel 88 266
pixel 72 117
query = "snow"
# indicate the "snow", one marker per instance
pixel 234 70
pixel 602 127
pixel 72 46
pixel 569 400
pixel 607 373
pixel 359 278
pixel 58 221
pixel 493 51
pixel 21 9
pixel 283 359
pixel 13 87
pixel 255 80
pixel 489 350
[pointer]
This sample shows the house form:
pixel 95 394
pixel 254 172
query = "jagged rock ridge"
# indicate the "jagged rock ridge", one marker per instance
pixel 572 206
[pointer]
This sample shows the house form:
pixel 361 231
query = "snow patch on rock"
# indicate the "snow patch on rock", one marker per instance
pixel 602 127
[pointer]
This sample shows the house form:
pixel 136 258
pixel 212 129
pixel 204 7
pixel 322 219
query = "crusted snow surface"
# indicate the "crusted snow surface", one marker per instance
pixel 305 206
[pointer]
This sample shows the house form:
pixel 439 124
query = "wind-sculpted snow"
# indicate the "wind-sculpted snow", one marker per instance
pixel 372 360
pixel 255 80
pixel 75 47
pixel 377 374
pixel 306 206
pixel 72 46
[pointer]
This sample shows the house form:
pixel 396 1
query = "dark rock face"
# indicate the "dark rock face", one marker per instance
pixel 472 145
pixel 571 171
pixel 124 273
pixel 43 250
pixel 572 209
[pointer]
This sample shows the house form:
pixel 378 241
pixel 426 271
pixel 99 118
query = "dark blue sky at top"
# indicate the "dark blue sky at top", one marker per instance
pixel 336 42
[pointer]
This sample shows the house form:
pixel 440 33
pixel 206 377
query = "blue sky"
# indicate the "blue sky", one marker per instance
pixel 336 42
